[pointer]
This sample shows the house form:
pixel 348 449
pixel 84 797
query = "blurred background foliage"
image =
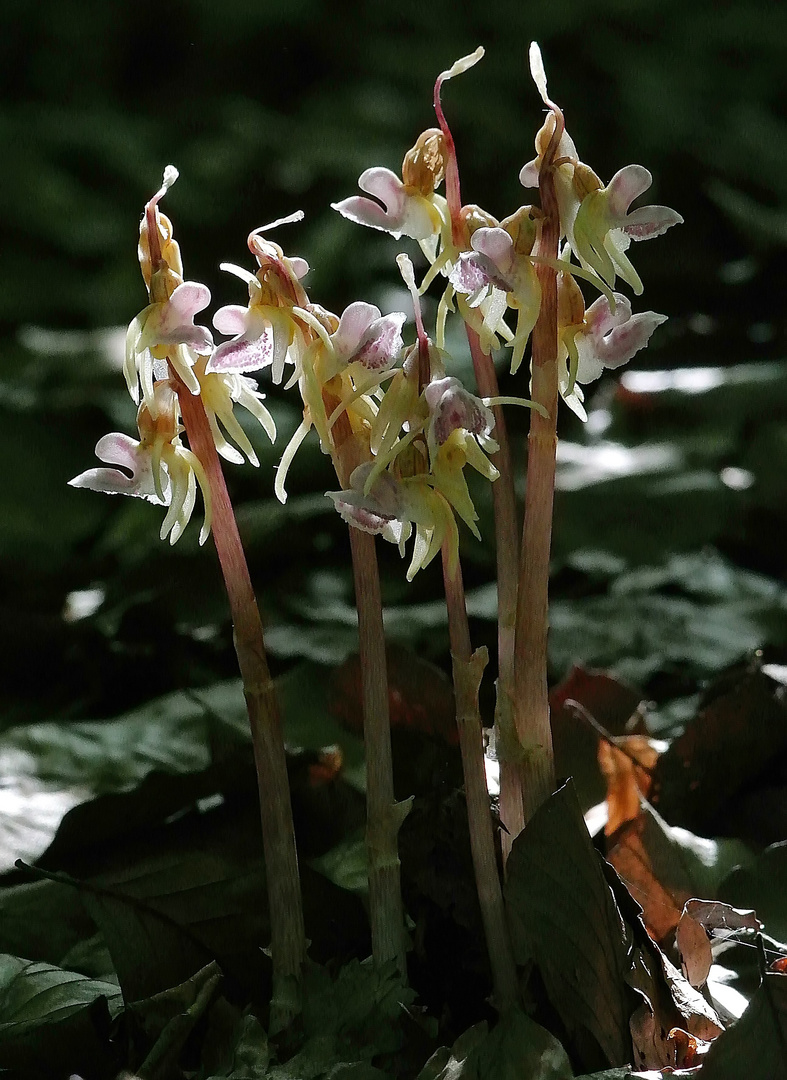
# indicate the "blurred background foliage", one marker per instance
pixel 268 108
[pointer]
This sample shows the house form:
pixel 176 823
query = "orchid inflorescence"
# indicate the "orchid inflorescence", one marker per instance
pixel 414 426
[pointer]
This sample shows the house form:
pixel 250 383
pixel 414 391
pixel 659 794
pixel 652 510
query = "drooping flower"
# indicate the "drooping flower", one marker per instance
pixel 497 262
pixel 220 392
pixel 158 333
pixel 406 207
pixel 266 332
pixel 395 508
pixel 609 339
pixel 159 468
pixel 604 228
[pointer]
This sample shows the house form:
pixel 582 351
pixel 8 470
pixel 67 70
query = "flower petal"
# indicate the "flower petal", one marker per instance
pixel 382 343
pixel 230 319
pixel 243 355
pixel 402 212
pixel 620 344
pixel 650 221
pixel 496 244
pixel 299 266
pixel 599 318
pixel 120 449
pixel 355 321
pixel 625 186
pixel 452 408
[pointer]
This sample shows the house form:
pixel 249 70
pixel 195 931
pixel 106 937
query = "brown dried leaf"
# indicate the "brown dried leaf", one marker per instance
pixel 698 920
pixel 629 851
pixel 626 767
pixel 694 948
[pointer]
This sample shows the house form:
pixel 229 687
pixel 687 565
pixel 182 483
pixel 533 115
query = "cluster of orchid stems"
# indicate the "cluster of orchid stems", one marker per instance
pixel 400 429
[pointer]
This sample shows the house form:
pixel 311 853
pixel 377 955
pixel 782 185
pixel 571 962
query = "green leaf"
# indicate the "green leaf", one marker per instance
pixel 756 1046
pixel 516 1047
pixel 460 1062
pixel 53 1021
pixel 164 750
pixel 169 1018
pixel 580 947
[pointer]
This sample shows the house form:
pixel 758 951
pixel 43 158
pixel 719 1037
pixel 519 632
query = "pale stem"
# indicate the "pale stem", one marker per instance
pixel 507 555
pixel 384 815
pixel 468 669
pixel 288 939
pixel 531 699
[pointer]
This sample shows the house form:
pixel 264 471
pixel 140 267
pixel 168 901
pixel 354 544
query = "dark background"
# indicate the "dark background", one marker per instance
pixel 268 108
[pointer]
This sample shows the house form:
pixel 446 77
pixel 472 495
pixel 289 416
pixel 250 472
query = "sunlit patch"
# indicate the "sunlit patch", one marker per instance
pixel 580 466
pixel 82 603
pixel 737 479
pixel 724 995
pixel 108 343
pixel 688 380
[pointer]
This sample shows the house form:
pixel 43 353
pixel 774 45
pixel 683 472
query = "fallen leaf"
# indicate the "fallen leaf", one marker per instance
pixel 627 766
pixel 664 866
pixel 693 945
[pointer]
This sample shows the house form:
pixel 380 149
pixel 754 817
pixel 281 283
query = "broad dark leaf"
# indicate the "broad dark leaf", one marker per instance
pixel 53 1022
pixel 581 949
pixel 516 1047
pixel 756 1046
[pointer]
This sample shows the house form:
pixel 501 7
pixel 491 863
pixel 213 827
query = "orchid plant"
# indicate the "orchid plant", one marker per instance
pixel 401 429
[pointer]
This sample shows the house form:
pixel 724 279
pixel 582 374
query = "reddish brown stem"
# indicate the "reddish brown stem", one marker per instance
pixel 288 940
pixel 506 530
pixel 531 695
pixel 468 668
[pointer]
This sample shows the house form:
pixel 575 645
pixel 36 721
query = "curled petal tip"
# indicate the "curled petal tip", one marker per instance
pixel 290 219
pixel 170 176
pixel 463 64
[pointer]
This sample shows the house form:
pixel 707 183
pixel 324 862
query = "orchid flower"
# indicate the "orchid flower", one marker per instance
pixel 496 264
pixel 219 393
pixel 164 331
pixel 159 332
pixel 601 337
pixel 160 468
pixel 604 228
pixel 406 207
pixel 348 358
pixel 265 332
pixel 609 339
pixel 395 508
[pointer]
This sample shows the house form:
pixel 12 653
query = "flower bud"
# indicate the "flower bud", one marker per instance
pixel 423 168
